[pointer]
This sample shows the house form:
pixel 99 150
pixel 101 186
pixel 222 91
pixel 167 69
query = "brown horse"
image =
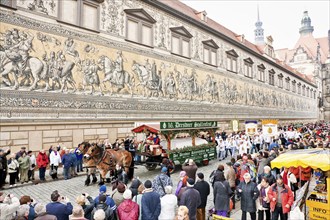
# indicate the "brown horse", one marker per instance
pixel 90 168
pixel 107 159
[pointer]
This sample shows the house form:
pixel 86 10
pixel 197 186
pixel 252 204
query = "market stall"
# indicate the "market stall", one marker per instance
pixel 318 159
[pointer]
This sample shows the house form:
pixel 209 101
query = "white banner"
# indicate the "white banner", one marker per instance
pixel 269 130
pixel 251 127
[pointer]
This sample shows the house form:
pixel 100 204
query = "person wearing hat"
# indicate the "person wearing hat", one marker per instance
pixel 13 167
pixel 60 206
pixel 150 203
pixel 191 168
pixel 24 166
pixel 110 214
pixel 182 183
pixel 203 188
pixel 8 205
pixel 281 199
pixel 191 198
pixel 161 181
pixel 117 194
pixel 128 209
pixel 230 176
pixel 109 201
pixel 19 153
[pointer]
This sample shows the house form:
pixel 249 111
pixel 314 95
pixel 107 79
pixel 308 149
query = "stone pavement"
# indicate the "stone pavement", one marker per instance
pixel 73 187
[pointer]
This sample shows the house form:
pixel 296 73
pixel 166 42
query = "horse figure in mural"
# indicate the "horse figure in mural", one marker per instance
pixel 107 159
pixel 90 168
pixel 148 79
pixel 116 78
pixel 34 68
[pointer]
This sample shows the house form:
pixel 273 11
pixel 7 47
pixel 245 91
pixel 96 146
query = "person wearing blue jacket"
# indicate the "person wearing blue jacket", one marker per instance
pixel 150 202
pixel 109 201
pixel 58 208
pixel 79 161
pixel 74 163
pixel 67 162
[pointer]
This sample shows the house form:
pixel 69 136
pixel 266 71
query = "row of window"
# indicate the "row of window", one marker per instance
pixel 139 29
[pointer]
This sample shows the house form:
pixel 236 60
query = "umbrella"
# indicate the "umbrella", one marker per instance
pixel 314 158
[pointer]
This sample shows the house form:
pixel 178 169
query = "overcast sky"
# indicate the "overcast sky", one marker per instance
pixel 280 18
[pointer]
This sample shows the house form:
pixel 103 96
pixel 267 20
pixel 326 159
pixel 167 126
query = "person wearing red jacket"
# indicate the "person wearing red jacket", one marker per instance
pixel 42 162
pixel 128 209
pixel 281 199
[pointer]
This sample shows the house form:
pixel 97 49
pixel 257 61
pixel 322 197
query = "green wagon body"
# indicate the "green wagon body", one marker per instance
pixel 199 154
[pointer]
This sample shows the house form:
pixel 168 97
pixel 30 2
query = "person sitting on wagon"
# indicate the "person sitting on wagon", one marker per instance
pixel 156 139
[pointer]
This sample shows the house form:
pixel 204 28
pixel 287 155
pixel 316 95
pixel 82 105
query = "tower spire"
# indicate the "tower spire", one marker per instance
pixel 259 31
pixel 306 27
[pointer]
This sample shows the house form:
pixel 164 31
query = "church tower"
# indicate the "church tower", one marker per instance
pixel 306 27
pixel 259 32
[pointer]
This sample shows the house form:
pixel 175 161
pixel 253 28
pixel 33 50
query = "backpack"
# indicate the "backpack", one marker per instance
pixel 211 177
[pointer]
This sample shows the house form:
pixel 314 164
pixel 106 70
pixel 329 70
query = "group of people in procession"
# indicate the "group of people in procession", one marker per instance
pixel 264 193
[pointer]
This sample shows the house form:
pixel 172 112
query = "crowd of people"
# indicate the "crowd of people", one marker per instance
pixel 21 166
pixel 263 192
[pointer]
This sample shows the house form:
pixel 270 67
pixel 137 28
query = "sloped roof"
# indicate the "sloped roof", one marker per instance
pixel 184 9
pixel 309 43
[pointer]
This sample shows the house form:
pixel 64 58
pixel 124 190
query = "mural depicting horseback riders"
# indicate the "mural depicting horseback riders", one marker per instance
pixel 149 79
pixel 115 74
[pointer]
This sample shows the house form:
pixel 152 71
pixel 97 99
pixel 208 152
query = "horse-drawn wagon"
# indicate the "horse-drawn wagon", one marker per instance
pixel 179 141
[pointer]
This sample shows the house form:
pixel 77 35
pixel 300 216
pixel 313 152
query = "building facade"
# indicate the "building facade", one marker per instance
pixel 311 57
pixel 80 70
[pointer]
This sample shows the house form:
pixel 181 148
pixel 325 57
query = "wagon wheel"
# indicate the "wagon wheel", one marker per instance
pixel 151 166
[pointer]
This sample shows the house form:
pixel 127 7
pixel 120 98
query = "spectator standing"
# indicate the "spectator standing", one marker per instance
pixel 118 193
pixel 13 167
pixel 77 213
pixel 109 201
pixel 249 193
pixel 183 213
pixel 26 200
pixel 289 178
pixel 150 202
pixel 191 199
pixel 161 181
pixel 263 161
pixel 135 186
pixel 73 164
pixel 203 188
pixel 88 208
pixel 267 174
pixel 41 214
pixel 121 175
pixel 230 176
pixel 3 166
pixel 128 209
pixel 263 205
pixel 55 160
pixel 24 166
pixel 281 199
pixel 138 199
pixel 67 162
pixel 8 205
pixel 182 183
pixel 109 212
pixel 33 163
pixel 60 206
pixel 222 193
pixel 42 162
pixel 305 176
pixel 273 145
pixel 168 204
pixel 19 153
pixel 79 161
pixel 191 168
pixel 22 212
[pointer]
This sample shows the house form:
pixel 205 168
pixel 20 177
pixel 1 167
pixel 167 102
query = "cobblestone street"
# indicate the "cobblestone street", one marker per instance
pixel 73 187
